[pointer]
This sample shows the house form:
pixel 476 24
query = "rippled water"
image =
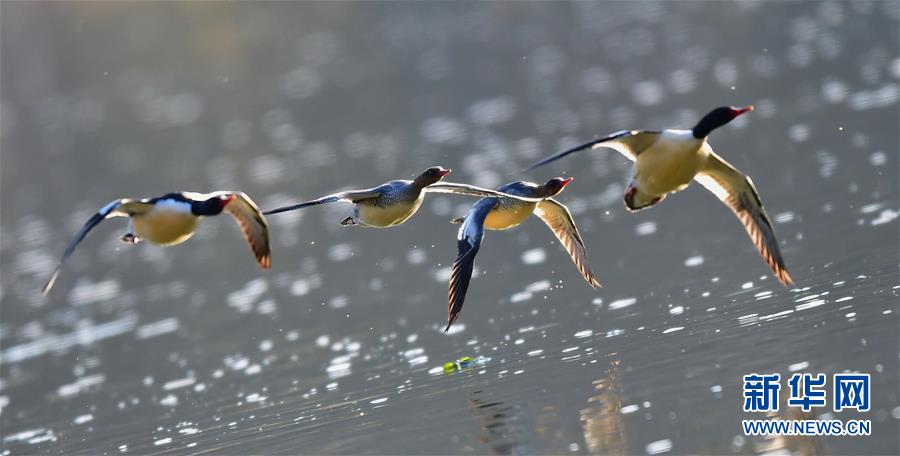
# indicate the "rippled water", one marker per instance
pixel 339 349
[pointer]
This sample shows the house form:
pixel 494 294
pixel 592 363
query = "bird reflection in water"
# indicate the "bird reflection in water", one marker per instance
pixel 501 427
pixel 604 430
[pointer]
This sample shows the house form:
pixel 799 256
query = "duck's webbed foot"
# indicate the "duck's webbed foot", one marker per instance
pixel 130 238
pixel 348 222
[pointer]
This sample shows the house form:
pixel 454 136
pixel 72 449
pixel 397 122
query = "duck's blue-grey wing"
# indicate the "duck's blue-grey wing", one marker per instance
pixel 114 208
pixel 472 190
pixel 558 218
pixel 737 191
pixel 351 196
pixel 468 242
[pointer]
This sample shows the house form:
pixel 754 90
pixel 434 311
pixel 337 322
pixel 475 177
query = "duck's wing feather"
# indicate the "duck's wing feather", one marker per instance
pixel 629 143
pixel 468 242
pixel 558 218
pixel 471 190
pixel 115 208
pixel 738 192
pixel 253 224
pixel 351 196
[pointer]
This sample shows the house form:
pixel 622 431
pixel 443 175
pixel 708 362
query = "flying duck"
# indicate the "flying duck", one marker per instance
pixel 394 202
pixel 173 218
pixel 667 161
pixel 505 213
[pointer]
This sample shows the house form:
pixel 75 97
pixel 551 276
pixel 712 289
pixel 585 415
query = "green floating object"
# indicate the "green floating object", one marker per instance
pixel 463 363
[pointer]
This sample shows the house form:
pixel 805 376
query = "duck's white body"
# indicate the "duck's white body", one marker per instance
pixel 169 222
pixel 670 164
pixel 667 161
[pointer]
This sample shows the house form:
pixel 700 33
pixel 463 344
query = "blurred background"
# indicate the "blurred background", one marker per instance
pixel 337 349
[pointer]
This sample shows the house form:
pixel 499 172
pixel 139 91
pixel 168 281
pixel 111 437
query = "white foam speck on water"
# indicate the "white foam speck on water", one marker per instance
pixel 81 419
pixel 870 208
pixel 659 446
pixel 585 333
pixel 645 228
pixel 798 366
pixel 671 330
pixel 31 436
pixel 436 370
pixel 169 401
pixel 747 286
pixel 413 352
pixel 243 299
pixel 534 256
pixel 443 274
pixel 157 328
pixel 255 397
pixel 520 296
pixel 569 349
pixel 180 383
pixel 614 332
pixel 418 360
pixel 540 285
pixel 885 216
pixel 810 304
pixel 380 400
pixel 631 408
pixel 693 261
pixel 86 292
pixel 188 431
pixel 844 299
pixel 323 341
pixel 716 388
pixel 80 385
pixel 164 441
pixel 535 352
pixel 878 158
pixel 622 303
pixel 677 310
pixel 416 256
pixel 85 335
pixel 340 252
pixel 784 217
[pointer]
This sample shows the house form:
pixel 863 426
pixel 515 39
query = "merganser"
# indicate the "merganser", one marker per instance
pixel 667 161
pixel 173 218
pixel 505 213
pixel 394 202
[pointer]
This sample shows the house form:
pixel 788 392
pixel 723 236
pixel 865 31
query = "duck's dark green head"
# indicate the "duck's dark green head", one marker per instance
pixel 716 118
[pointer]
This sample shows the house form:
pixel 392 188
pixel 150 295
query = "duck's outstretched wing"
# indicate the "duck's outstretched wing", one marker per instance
pixel 253 224
pixel 471 190
pixel 115 208
pixel 738 192
pixel 351 196
pixel 468 242
pixel 629 143
pixel 558 218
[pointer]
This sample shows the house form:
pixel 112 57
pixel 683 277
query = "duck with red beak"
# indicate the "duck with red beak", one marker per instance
pixel 394 202
pixel 173 218
pixel 503 214
pixel 668 161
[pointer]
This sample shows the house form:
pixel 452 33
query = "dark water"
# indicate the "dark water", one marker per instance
pixel 336 349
